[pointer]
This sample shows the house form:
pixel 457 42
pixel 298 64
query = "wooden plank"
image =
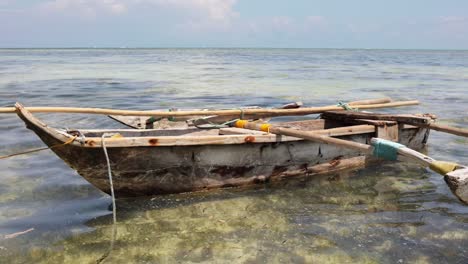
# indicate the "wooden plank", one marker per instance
pixel 369 122
pixel 348 115
pixel 342 131
pixel 219 140
pixel 316 124
pixel 388 132
pixel 338 131
pixel 239 131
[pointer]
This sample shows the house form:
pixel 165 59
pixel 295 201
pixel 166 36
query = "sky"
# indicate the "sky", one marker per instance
pixel 386 24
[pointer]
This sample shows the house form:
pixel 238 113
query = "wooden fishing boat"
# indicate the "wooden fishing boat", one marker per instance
pixel 161 161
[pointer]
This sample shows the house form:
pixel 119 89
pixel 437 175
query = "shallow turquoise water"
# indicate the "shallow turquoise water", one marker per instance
pixel 387 214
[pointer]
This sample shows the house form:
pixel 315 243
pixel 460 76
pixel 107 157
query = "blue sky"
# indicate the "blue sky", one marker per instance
pixel 409 24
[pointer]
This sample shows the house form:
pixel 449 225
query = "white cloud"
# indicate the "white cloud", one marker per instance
pixel 364 29
pixel 199 15
pixel 83 8
pixel 192 14
pixel 452 26
pixel 118 8
pixel 281 22
pixel 217 10
pixel 314 23
pixel 453 19
pixel 213 9
pixel 286 25
pixel 4 2
pixel 315 20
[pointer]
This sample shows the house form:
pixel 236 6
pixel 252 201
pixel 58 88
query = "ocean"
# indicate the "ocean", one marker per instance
pixel 393 213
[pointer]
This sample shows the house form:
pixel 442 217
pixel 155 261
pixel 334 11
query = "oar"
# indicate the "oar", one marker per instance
pixel 455 175
pixel 262 111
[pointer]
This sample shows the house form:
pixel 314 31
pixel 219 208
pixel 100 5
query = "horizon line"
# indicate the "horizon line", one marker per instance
pixel 214 47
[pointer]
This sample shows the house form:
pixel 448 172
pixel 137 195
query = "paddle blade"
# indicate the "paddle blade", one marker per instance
pixel 443 167
pixel 457 180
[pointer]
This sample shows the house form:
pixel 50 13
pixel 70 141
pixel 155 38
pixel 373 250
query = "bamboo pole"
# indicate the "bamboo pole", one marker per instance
pixel 371 101
pixel 447 129
pixel 272 112
pixel 224 118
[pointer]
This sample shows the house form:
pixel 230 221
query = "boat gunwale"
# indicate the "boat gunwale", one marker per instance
pixel 181 140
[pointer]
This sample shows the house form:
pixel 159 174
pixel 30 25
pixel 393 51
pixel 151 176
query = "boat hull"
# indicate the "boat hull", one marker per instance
pixel 144 170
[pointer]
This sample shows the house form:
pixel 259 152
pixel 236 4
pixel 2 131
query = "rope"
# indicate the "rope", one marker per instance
pixel 109 172
pixel 114 209
pixel 214 125
pixel 241 113
pixel 111 246
pixel 346 106
pixel 38 149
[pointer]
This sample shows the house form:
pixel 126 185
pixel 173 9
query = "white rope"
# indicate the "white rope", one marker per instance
pixel 109 172
pixel 114 209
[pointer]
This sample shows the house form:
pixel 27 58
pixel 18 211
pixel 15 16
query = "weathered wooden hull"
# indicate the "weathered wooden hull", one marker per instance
pixel 152 170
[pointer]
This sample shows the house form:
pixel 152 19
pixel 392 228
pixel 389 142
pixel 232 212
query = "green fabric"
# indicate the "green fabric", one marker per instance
pixel 152 120
pixel 171 118
pixel 386 149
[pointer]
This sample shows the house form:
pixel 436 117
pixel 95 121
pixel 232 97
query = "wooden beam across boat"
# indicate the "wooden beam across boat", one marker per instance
pixel 420 121
pixel 349 115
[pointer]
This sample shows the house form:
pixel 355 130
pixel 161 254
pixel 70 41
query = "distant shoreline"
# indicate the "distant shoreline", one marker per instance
pixel 220 48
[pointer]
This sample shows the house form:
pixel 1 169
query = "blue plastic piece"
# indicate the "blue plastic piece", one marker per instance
pixel 386 149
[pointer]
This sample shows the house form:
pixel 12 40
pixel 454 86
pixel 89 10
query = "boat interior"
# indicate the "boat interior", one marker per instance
pixel 309 125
